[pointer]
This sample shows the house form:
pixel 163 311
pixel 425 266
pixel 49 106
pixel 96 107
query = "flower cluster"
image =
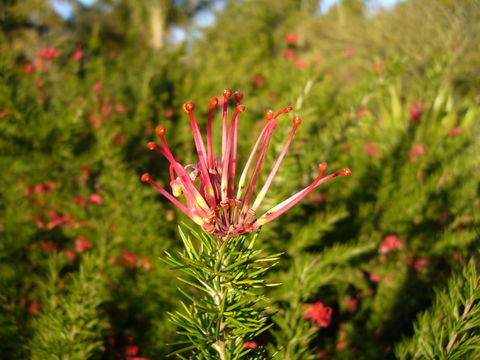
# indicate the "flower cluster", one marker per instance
pixel 208 186
pixel 318 313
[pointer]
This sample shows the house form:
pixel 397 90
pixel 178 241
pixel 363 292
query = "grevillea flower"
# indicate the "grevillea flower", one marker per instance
pixel 48 53
pixel 219 200
pixel 390 243
pixel 320 314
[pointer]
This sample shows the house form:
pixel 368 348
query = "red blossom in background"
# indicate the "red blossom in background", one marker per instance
pixel 5 113
pixel 97 86
pixel 415 152
pixel 415 112
pixel 300 64
pixel 131 260
pixel 95 199
pixel 29 68
pixel 455 131
pixel 40 188
pixel 352 304
pixel 48 53
pixel 250 345
pixel 289 54
pixel 82 244
pixel 390 243
pixel 209 185
pixel 371 149
pixel 420 264
pixel 70 254
pixel 349 52
pixel 291 38
pixel 169 113
pixel 33 307
pixel 378 67
pixel 374 277
pixel 121 108
pixel 258 81
pixel 77 54
pixel 320 314
pixel 362 112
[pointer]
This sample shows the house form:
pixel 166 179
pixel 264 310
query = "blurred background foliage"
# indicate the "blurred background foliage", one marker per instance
pixel 391 93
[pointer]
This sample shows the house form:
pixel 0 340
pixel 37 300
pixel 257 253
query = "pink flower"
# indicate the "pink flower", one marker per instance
pixel 300 64
pixel 250 345
pixel 29 68
pixel 82 244
pixel 106 110
pixel 455 131
pixel 258 81
pixel 97 86
pixel 33 307
pixel 362 112
pixel 291 38
pixel 371 150
pixel 349 52
pixel 415 152
pixel 420 264
pixel 208 186
pixel 390 243
pixel 70 254
pixel 457 256
pixel 289 54
pixel 95 199
pixel 374 277
pixel 48 53
pixel 120 139
pixel 352 304
pixel 121 108
pixel 169 113
pixel 77 54
pixel 415 112
pixel 377 67
pixel 48 246
pixel 5 113
pixel 321 315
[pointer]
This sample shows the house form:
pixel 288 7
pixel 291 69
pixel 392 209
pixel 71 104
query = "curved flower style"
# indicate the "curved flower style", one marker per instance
pixel 209 185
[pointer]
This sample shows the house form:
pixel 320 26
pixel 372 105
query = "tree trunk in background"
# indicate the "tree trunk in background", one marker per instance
pixel 157 12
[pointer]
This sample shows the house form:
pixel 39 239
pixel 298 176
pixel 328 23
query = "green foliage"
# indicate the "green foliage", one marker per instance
pixel 389 93
pixel 229 312
pixel 450 328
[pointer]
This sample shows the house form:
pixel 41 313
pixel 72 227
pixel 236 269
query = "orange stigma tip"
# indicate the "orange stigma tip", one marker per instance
pixel 160 130
pixel 269 114
pixel 346 172
pixel 145 177
pixel 240 108
pixel 227 93
pixel 238 96
pixel 151 146
pixel 188 107
pixel 213 102
pixel 322 167
pixel 287 109
pixel 297 120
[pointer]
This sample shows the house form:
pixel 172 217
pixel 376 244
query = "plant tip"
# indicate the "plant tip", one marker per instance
pixel 213 103
pixel 238 96
pixel 151 145
pixel 297 120
pixel 227 93
pixel 240 108
pixel 269 114
pixel 160 130
pixel 188 107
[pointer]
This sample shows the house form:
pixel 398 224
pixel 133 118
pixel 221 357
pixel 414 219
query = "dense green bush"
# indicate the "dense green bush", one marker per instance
pixel 391 250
